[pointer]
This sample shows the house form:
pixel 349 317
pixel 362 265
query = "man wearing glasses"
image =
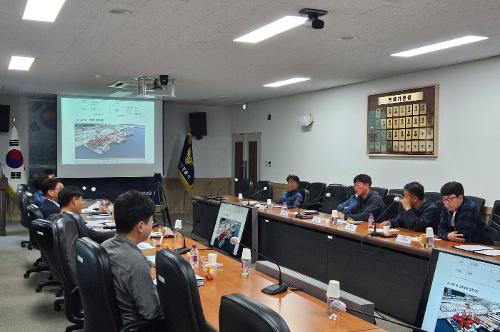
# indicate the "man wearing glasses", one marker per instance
pixel 460 218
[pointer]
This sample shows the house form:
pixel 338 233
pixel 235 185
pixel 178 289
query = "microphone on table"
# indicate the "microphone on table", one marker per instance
pixel 383 215
pixel 183 250
pixel 326 195
pixel 258 192
pixel 273 289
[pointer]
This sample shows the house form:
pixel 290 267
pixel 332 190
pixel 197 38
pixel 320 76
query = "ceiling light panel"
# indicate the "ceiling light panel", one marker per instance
pixel 287 82
pixel 42 10
pixel 440 46
pixel 20 62
pixel 272 29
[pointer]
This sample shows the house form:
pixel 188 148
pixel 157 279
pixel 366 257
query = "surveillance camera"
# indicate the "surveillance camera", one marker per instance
pixel 315 23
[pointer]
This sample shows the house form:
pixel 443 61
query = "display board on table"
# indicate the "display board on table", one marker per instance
pixel 403 123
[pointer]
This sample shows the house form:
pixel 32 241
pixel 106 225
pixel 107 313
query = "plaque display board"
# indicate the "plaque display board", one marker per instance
pixel 403 123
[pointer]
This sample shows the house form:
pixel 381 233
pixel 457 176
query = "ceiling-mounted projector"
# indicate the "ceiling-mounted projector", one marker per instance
pixel 161 86
pixel 313 17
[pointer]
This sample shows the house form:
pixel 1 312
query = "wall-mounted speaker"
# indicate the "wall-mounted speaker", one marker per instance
pixel 4 118
pixel 198 124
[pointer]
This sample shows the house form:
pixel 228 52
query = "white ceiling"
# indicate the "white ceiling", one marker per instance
pixel 87 47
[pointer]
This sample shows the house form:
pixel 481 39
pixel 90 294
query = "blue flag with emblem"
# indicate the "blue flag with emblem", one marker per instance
pixel 186 163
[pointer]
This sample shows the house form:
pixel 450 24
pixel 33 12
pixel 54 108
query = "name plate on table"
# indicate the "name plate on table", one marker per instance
pixel 351 227
pixel 316 219
pixel 404 239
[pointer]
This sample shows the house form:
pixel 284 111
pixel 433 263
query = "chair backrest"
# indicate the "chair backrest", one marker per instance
pixel 381 191
pixel 478 201
pixel 66 236
pixel 26 200
pixel 396 192
pixel 95 281
pixel 240 313
pixel 338 194
pixel 391 212
pixel 178 293
pixel 316 191
pixel 304 184
pixel 305 196
pixel 350 190
pixel 32 212
pixel 44 233
pixel 264 194
pixel 432 196
pixel 495 211
pixel 243 186
pixel 21 188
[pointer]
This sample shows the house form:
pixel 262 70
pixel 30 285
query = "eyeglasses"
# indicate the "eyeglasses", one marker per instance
pixel 448 199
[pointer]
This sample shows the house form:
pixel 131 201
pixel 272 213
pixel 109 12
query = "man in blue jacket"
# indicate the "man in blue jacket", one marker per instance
pixel 364 202
pixel 292 198
pixel 460 219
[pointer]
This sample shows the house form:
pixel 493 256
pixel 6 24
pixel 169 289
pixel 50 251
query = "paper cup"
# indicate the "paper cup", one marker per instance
pixel 335 214
pixel 269 201
pixel 429 232
pixel 246 254
pixel 212 259
pixel 333 289
pixel 240 196
pixel 178 224
pixel 387 228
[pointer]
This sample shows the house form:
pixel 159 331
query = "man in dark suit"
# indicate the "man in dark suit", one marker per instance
pixel 71 202
pixel 51 189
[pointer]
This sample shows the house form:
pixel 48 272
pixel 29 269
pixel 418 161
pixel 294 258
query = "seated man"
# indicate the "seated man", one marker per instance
pixel 460 219
pixel 364 202
pixel 415 212
pixel 51 189
pixel 292 198
pixel 48 173
pixel 71 202
pixel 134 288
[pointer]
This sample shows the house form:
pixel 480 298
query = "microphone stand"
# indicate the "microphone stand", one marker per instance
pixel 183 250
pixel 273 289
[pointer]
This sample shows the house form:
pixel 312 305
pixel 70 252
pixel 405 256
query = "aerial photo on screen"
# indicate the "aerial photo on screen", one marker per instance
pixel 101 141
pixel 460 312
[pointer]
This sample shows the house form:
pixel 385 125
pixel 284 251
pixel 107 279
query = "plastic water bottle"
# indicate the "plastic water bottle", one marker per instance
pixel 284 210
pixel 246 263
pixel 429 234
pixel 193 259
pixel 371 222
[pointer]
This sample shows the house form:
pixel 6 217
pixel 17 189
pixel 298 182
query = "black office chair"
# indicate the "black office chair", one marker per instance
pixel 176 280
pixel 391 209
pixel 243 186
pixel 264 194
pixel 32 212
pixel 397 192
pixel 338 194
pixel 95 280
pixel 493 227
pixel 433 196
pixel 240 313
pixel 478 201
pixel 381 191
pixel 44 233
pixel 350 190
pixel 304 184
pixel 26 198
pixel 316 195
pixel 21 188
pixel 305 196
pixel 66 234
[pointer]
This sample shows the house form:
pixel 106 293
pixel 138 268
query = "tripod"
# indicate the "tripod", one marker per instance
pixel 158 195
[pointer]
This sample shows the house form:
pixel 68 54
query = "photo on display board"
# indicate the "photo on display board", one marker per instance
pixel 230 223
pixel 99 141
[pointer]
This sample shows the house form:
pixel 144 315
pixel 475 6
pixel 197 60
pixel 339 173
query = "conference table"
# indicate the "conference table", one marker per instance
pixel 389 273
pixel 301 311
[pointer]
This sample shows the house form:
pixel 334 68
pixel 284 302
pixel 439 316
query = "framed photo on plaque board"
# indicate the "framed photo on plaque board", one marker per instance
pixel 403 123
